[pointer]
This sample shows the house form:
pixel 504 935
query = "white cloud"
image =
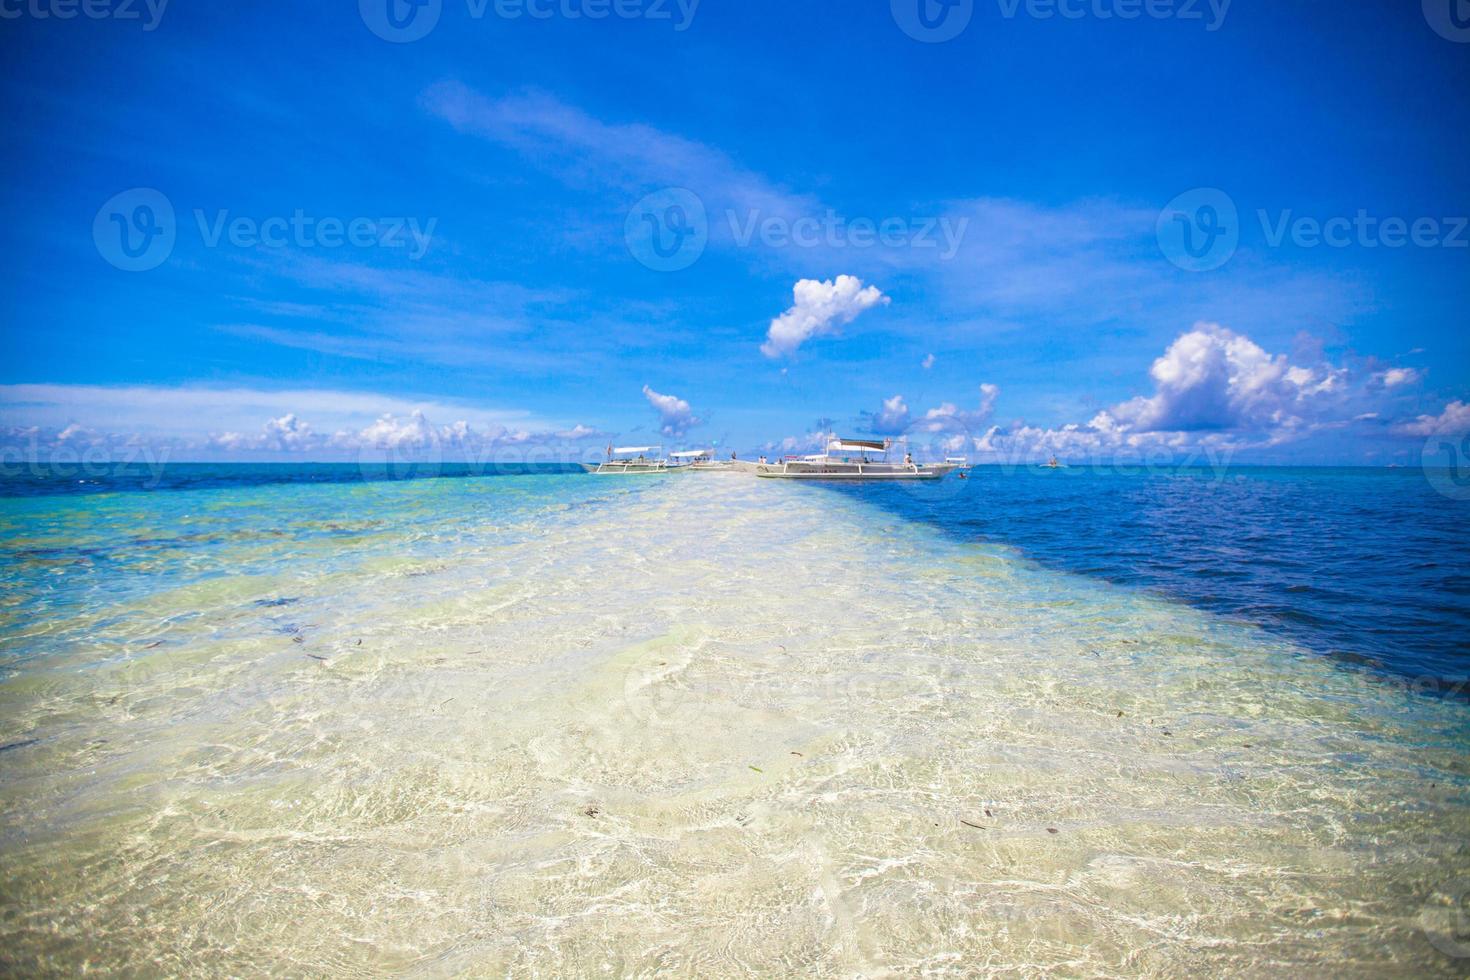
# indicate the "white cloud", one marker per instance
pixel 1212 379
pixel 583 150
pixel 820 307
pixel 1216 390
pixel 892 419
pixel 811 442
pixel 675 417
pixel 954 428
pixel 1453 421
pixel 189 411
pixel 390 432
pixel 207 422
pixel 1394 377
pixel 950 418
pixel 928 362
pixel 288 433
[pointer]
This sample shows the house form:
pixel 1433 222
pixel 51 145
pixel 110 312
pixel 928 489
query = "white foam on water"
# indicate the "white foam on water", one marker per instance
pixel 717 726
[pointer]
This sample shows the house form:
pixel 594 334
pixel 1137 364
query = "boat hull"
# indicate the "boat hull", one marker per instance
pixel 782 473
pixel 609 469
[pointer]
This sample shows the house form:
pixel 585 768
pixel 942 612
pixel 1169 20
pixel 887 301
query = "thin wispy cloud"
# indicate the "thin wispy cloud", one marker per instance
pixel 590 152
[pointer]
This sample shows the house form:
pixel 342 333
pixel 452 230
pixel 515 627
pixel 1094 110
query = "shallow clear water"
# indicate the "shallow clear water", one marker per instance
pixel 703 724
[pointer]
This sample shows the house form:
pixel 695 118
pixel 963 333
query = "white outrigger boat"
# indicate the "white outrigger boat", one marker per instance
pixel 630 459
pixel 852 459
pixel 702 460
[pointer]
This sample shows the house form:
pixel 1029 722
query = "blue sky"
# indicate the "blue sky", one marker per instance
pixel 976 243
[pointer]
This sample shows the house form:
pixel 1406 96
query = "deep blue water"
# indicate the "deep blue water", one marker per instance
pixel 1369 566
pixel 1366 565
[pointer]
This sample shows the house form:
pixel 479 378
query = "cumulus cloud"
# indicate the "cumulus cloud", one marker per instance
pixel 1213 379
pixel 1218 390
pixel 820 307
pixel 1453 421
pixel 948 417
pixel 812 442
pixel 675 417
pixel 410 435
pixel 1394 377
pixel 928 361
pixel 392 432
pixel 288 433
pixel 953 427
pixel 892 419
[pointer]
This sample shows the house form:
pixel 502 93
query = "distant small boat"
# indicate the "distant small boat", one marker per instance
pixel 851 459
pixel 1053 464
pixel 630 460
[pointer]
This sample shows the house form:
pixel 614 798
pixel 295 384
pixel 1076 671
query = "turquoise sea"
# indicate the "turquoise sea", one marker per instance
pixel 315 720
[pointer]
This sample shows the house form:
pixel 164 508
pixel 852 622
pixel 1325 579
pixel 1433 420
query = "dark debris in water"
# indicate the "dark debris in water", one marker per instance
pixel 19 745
pixel 975 825
pixel 282 601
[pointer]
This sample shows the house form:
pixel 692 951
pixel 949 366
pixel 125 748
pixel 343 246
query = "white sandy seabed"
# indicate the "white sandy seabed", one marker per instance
pixel 713 726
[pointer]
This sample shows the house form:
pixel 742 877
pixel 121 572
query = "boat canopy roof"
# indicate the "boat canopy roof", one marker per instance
pixel 632 450
pixel 856 446
pixel 955 459
pixel 692 453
